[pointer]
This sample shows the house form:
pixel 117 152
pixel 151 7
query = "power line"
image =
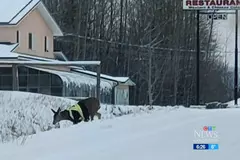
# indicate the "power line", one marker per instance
pixel 130 45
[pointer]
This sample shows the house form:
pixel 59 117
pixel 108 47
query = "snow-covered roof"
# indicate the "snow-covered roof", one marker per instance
pixel 78 79
pixel 29 57
pixel 123 80
pixel 11 13
pixel 6 51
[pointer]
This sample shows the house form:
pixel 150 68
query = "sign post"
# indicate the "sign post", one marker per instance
pixel 198 61
pixel 206 5
pixel 236 60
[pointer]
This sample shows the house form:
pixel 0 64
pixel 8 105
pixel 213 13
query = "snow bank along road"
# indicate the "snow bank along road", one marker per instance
pixel 24 113
pixel 163 134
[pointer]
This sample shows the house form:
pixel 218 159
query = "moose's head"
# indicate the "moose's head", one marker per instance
pixel 57 116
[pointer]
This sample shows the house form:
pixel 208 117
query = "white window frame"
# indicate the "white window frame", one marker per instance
pixel 46 44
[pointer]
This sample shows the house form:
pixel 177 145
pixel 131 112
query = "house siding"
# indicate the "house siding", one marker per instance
pixel 8 34
pixel 32 23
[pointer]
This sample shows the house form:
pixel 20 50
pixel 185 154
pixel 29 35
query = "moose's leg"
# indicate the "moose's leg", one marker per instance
pixel 98 115
pixel 86 120
pixel 92 117
pixel 74 122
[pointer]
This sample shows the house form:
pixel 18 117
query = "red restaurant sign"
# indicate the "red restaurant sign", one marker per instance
pixel 211 4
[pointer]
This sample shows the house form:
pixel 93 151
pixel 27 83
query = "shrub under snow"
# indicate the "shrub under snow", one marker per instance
pixel 24 113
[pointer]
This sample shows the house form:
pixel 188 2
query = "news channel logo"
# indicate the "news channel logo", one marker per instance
pixel 206 138
pixel 206 135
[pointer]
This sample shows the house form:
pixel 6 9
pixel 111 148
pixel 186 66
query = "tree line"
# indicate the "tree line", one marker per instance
pixel 151 41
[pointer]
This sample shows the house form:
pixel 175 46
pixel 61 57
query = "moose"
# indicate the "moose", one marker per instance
pixel 79 112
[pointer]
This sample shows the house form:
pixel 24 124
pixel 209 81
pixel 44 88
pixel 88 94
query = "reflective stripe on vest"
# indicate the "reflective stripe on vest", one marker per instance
pixel 77 108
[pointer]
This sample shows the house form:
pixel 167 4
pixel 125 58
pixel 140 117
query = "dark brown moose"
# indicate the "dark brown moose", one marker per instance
pixel 81 111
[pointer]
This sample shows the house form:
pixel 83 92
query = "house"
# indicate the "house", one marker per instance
pixel 27 32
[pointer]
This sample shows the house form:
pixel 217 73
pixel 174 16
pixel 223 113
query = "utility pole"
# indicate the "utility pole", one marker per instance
pixel 236 60
pixel 197 62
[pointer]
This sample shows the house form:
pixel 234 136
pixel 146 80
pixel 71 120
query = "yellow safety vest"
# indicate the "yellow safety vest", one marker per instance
pixel 77 108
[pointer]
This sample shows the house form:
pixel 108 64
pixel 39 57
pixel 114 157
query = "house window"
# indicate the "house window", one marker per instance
pixel 17 37
pixel 46 44
pixel 30 41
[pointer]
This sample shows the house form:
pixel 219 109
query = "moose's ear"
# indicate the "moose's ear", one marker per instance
pixel 53 111
pixel 59 109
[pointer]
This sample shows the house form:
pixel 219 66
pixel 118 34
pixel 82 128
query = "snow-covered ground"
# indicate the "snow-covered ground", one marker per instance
pixel 25 113
pixel 162 133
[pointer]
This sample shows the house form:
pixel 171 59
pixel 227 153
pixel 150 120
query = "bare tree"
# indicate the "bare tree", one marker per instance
pixel 151 41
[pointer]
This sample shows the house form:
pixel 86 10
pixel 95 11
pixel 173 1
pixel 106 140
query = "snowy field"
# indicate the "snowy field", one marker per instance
pixel 162 133
pixel 25 113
